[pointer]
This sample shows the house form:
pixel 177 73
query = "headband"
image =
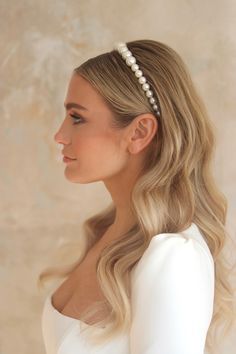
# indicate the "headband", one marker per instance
pixel 130 60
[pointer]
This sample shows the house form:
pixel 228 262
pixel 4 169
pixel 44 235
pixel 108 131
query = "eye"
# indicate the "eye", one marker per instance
pixel 76 118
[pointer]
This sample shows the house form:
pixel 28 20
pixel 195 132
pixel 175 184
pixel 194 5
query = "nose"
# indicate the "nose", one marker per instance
pixel 62 136
pixel 57 137
pixel 61 139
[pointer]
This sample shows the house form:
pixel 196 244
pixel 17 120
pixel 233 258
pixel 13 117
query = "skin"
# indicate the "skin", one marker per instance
pixel 102 153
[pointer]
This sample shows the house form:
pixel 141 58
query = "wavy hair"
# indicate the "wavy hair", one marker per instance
pixel 177 180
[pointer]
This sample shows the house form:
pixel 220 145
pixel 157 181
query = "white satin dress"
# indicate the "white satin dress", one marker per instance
pixel 172 303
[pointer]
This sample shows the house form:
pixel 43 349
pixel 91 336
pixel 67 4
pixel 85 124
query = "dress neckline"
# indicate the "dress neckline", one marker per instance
pixel 192 229
pixel 65 317
pixel 49 299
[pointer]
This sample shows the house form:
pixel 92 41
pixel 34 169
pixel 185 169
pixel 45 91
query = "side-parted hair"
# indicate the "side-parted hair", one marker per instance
pixel 175 188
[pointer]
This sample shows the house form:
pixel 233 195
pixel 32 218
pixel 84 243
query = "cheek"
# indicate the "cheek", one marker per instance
pixel 99 151
pixel 89 141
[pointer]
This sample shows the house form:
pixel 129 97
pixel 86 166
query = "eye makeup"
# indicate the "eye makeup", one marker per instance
pixel 77 118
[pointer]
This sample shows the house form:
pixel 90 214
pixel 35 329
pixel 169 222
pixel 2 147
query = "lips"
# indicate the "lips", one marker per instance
pixel 68 160
pixel 68 157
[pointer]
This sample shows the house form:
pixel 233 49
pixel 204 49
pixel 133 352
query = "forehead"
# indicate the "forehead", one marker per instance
pixel 80 91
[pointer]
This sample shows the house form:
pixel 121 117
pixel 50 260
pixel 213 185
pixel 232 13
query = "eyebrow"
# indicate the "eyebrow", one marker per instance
pixel 74 105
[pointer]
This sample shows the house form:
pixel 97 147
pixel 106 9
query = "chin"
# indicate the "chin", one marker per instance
pixel 78 179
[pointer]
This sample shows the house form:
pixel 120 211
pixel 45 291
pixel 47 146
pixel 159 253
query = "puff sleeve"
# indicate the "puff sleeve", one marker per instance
pixel 172 297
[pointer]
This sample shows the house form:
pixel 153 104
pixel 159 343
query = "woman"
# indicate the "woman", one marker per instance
pixel 151 277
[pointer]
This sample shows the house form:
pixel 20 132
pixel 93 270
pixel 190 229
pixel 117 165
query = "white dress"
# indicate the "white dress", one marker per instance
pixel 172 303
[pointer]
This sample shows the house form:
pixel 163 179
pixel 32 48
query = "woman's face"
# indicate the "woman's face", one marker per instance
pixel 99 151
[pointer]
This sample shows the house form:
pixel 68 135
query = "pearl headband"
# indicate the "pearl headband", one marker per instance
pixel 130 60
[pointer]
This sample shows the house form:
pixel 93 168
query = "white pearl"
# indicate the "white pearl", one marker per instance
pixel 130 61
pixel 123 49
pixel 155 107
pixel 142 79
pixel 152 100
pixel 145 86
pixel 138 73
pixel 135 67
pixel 158 113
pixel 119 45
pixel 126 54
pixel 149 93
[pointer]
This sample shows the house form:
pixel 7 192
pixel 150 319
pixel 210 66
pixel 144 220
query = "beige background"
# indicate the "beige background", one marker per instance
pixel 41 42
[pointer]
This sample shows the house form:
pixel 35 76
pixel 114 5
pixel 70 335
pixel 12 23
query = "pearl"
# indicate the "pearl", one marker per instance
pixel 142 79
pixel 130 61
pixel 152 100
pixel 149 93
pixel 122 49
pixel 138 73
pixel 155 107
pixel 145 86
pixel 126 54
pixel 135 67
pixel 120 44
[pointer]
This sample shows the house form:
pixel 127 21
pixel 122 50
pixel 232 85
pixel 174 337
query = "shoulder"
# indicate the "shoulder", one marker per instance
pixel 171 253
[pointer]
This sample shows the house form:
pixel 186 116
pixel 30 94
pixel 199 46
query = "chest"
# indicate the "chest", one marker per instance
pixel 80 289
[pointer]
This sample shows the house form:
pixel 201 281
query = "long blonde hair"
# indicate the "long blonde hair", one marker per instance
pixel 175 187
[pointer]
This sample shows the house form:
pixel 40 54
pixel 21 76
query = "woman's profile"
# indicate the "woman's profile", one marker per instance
pixel 151 277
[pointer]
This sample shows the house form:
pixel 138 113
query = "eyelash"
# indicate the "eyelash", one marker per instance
pixel 76 118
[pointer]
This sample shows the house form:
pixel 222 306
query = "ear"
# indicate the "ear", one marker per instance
pixel 142 130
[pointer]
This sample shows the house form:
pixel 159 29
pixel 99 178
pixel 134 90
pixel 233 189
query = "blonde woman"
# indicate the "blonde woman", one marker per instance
pixel 151 277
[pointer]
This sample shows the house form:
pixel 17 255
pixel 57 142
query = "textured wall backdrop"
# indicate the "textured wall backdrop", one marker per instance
pixel 41 42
